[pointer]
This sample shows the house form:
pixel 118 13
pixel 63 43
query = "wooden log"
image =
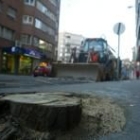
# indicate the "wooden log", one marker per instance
pixel 45 112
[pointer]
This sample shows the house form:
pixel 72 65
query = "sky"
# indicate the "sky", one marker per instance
pixel 96 18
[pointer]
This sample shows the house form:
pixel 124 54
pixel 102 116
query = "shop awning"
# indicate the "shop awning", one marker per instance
pixel 23 51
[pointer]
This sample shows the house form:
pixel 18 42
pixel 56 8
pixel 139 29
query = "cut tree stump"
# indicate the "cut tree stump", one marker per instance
pixel 45 112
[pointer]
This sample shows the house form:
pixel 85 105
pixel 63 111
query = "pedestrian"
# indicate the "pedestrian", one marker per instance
pixel 137 74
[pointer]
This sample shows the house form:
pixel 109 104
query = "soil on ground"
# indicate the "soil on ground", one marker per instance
pixel 100 116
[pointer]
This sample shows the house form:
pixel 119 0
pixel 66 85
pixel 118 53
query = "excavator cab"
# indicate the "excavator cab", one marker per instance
pixel 93 50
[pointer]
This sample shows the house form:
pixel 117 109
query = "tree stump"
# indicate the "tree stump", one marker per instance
pixel 45 112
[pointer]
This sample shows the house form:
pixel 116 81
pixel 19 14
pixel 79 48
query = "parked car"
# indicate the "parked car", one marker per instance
pixel 42 70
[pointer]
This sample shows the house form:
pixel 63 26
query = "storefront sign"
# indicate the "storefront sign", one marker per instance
pixel 32 53
pixel 13 49
pixel 23 51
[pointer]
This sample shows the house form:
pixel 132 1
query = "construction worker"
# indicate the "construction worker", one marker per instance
pixel 94 57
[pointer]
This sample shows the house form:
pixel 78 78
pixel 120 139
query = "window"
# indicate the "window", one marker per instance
pixel 42 8
pixel 0 6
pixel 49 47
pixel 42 26
pixel 60 54
pixel 56 24
pixel 42 44
pixel 56 38
pixel 26 39
pixel 29 2
pixel 68 45
pixel 53 2
pixel 12 12
pixel 7 33
pixel 38 23
pixel 68 36
pixel 36 41
pixel 30 19
pixel 68 50
pixel 0 30
pixel 138 11
pixel 27 19
pixel 45 45
pixel 96 45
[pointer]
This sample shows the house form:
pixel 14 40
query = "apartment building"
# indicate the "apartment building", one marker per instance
pixel 28 34
pixel 137 30
pixel 66 42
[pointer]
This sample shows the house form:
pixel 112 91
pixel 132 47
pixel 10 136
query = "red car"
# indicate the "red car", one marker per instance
pixel 42 71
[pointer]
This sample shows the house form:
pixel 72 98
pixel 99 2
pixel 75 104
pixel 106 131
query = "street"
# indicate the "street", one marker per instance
pixel 126 93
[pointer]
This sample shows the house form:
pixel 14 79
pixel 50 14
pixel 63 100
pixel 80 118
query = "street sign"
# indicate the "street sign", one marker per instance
pixel 119 28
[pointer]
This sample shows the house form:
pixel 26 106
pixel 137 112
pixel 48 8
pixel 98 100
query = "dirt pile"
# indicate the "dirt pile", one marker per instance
pixel 100 117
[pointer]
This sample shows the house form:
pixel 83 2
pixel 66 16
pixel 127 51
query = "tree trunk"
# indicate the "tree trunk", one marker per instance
pixel 45 112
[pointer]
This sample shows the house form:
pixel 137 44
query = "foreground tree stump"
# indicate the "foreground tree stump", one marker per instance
pixel 45 112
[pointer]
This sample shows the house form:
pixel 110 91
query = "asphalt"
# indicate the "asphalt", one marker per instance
pixel 126 93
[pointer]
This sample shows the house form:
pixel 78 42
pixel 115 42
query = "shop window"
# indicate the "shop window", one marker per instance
pixel 12 12
pixel 27 19
pixel 8 63
pixel 25 65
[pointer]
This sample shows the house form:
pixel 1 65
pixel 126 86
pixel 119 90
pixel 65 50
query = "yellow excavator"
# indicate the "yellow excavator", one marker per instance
pixel 95 61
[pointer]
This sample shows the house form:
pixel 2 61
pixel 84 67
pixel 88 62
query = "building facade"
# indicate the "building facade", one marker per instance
pixel 66 42
pixel 134 54
pixel 137 30
pixel 28 34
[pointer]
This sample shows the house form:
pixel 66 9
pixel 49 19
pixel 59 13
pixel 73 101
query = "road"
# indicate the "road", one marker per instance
pixel 126 93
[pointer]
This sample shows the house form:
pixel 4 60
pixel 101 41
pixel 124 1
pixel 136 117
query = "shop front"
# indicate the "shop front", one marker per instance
pixel 8 63
pixel 25 65
pixel 16 60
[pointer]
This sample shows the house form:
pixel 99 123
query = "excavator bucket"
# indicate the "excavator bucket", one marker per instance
pixel 93 71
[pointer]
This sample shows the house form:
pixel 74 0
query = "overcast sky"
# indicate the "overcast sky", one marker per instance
pixel 96 18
